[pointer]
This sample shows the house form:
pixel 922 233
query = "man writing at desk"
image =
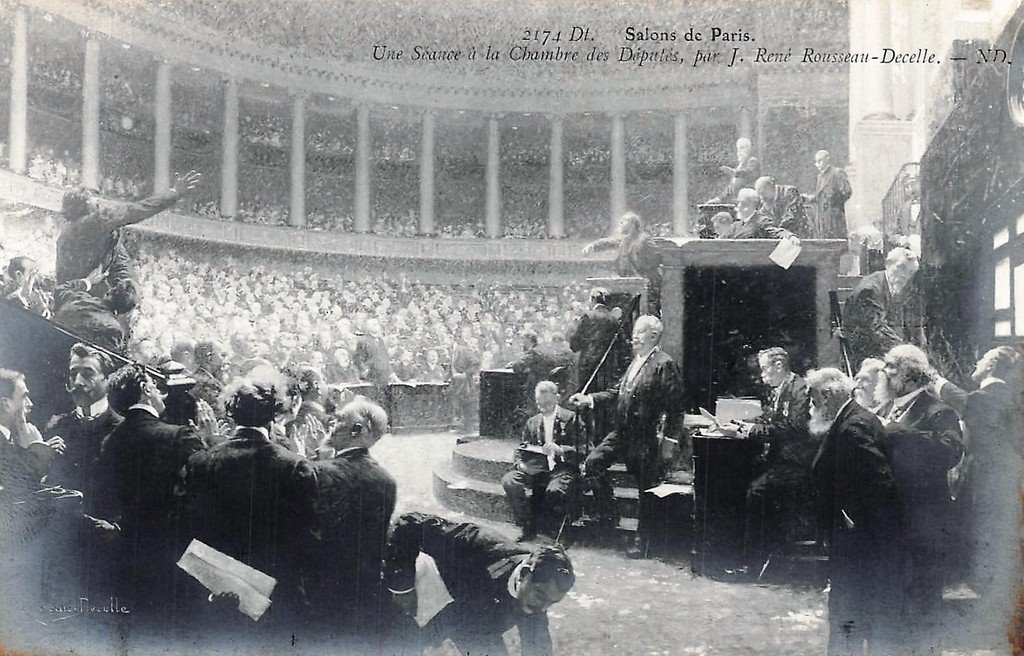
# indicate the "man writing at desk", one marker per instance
pixel 775 495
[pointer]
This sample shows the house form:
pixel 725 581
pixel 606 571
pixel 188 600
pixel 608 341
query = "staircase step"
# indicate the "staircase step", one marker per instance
pixel 483 498
pixel 471 496
pixel 488 459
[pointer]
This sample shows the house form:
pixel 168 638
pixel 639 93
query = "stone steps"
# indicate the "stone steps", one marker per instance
pixel 488 459
pixel 486 498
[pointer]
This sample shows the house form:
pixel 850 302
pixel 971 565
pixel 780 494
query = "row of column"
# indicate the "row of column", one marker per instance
pixel 297 215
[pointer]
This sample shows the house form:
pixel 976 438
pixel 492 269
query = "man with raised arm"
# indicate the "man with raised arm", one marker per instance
pixel 90 236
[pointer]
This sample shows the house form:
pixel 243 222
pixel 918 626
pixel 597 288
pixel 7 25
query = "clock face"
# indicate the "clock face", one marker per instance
pixel 1015 78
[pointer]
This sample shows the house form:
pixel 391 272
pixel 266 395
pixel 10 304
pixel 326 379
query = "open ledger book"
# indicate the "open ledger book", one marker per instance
pixel 220 572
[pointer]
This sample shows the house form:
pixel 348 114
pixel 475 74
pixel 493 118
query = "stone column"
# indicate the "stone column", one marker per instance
pixel 680 179
pixel 91 115
pixel 493 219
pixel 229 151
pixel 17 137
pixel 556 189
pixel 877 85
pixel 362 219
pixel 745 123
pixel 427 195
pixel 162 134
pixel 618 147
pixel 297 162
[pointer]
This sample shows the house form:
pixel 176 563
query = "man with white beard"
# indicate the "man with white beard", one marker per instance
pixel 854 478
pixel 869 386
pixel 924 439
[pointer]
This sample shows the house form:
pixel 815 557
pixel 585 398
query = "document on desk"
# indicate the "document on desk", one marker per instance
pixel 786 252
pixel 220 572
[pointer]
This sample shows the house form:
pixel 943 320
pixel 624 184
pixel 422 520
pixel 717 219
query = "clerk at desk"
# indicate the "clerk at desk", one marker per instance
pixel 784 485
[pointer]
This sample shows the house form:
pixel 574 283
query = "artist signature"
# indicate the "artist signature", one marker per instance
pixel 112 606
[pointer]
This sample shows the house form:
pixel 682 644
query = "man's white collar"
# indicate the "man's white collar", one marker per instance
pixel 514 578
pixel 148 408
pixel 96 409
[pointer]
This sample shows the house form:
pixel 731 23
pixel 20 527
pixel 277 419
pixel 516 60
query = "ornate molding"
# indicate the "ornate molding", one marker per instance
pixel 165 36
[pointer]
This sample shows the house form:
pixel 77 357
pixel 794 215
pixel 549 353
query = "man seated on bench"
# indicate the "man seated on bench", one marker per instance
pixel 546 473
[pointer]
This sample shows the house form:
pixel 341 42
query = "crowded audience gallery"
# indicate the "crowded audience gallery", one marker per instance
pixel 268 460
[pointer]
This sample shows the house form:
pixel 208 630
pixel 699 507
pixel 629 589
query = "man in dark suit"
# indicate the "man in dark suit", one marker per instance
pixel 783 205
pixel 551 478
pixel 993 417
pixel 92 233
pixel 534 365
pixel 85 427
pixel 924 439
pixel 880 311
pixel 78 558
pixel 308 389
pixel 751 222
pixel 98 308
pixel 354 506
pixel 594 333
pixel 22 288
pixel 637 255
pixel 854 480
pixel 830 198
pixel 342 371
pixel 591 338
pixel 142 461
pixel 775 498
pixel 371 357
pixel 649 406
pixel 494 585
pixel 465 385
pixel 747 168
pixel 432 370
pixel 27 510
pixel 253 499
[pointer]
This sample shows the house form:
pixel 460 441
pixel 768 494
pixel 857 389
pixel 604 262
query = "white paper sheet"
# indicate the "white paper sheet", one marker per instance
pixel 220 572
pixel 786 252
pixel 668 489
pixel 431 593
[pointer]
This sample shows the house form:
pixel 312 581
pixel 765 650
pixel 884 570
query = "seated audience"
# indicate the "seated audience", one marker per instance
pixel 544 480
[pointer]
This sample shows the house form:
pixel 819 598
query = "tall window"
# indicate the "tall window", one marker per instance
pixel 1008 289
